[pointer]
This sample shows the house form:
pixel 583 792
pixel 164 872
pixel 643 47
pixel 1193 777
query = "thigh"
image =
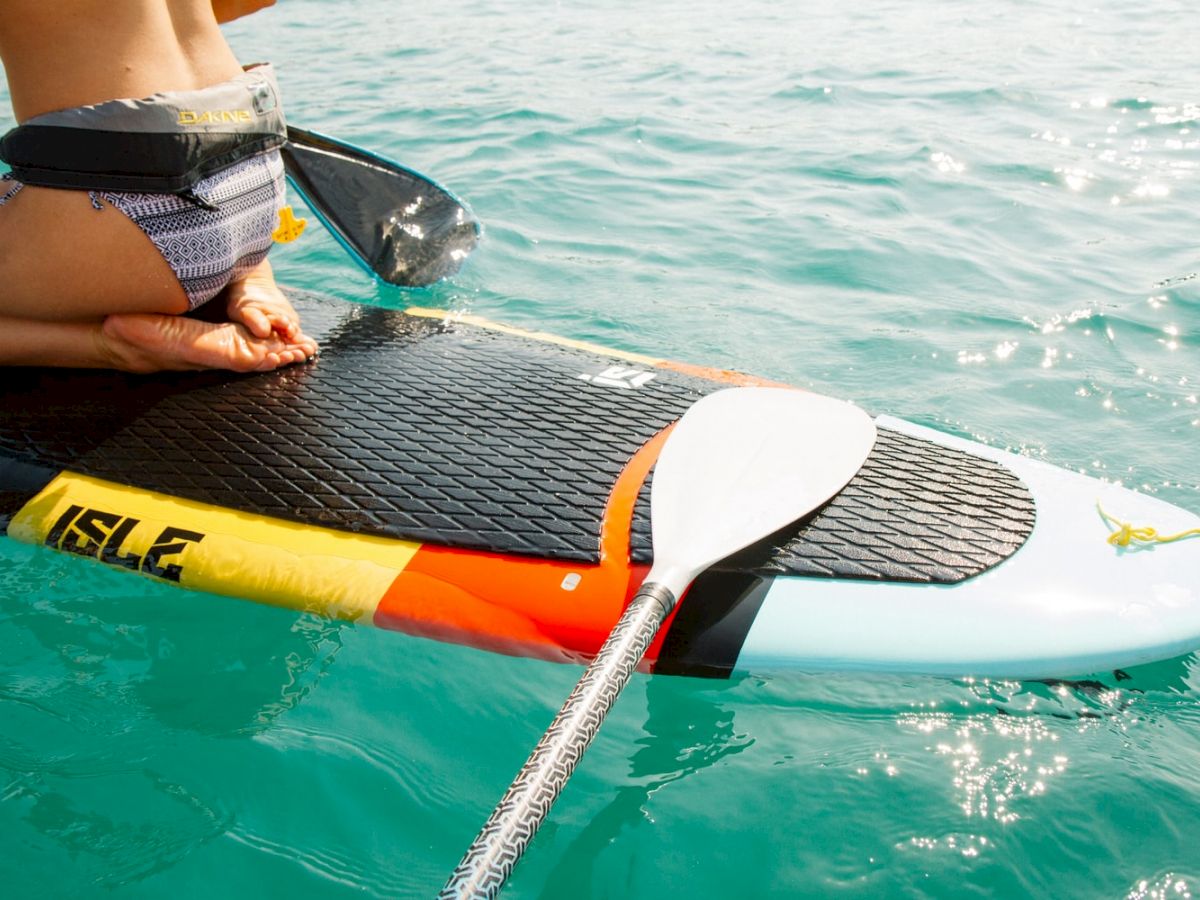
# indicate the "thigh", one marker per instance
pixel 62 259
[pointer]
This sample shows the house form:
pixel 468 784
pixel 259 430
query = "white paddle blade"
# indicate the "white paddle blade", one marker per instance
pixel 743 463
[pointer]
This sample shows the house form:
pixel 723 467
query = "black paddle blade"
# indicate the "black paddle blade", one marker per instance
pixel 403 227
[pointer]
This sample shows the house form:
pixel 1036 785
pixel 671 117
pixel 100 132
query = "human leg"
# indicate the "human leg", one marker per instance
pixel 85 287
pixel 62 260
pixel 151 343
pixel 146 342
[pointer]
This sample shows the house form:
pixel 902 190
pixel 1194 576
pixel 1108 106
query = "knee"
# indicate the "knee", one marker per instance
pixel 173 302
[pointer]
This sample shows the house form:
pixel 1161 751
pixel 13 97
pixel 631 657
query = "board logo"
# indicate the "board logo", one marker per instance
pixel 620 377
pixel 100 535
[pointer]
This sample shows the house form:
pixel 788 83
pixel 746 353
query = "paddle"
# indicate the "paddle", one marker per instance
pixel 740 465
pixel 398 224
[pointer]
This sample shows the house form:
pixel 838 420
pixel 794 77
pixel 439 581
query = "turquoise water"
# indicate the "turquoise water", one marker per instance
pixel 981 217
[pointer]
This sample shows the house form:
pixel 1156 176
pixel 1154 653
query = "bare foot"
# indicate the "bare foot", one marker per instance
pixel 146 342
pixel 256 302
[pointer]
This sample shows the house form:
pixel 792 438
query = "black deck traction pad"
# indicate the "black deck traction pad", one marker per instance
pixel 453 434
pixel 916 511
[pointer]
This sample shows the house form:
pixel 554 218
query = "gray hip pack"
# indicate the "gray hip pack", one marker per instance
pixel 162 144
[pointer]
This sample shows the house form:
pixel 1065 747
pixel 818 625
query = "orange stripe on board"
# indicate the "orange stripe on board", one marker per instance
pixel 522 606
pixel 617 529
pixel 724 376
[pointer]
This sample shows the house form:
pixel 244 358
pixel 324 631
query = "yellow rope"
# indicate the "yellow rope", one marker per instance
pixel 1125 533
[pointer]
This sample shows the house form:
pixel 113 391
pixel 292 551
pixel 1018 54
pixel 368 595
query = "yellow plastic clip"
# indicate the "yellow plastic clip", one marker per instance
pixel 1125 534
pixel 289 228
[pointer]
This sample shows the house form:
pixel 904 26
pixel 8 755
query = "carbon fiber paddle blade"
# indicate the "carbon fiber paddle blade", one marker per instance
pixel 403 227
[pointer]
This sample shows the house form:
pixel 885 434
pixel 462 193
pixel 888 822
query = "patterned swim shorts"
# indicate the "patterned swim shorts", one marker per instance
pixel 207 248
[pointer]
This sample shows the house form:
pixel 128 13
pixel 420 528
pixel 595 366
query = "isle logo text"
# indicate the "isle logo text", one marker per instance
pixel 100 535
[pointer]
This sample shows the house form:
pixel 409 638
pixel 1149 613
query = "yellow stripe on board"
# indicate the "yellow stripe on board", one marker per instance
pixel 722 376
pixel 207 548
pixel 543 336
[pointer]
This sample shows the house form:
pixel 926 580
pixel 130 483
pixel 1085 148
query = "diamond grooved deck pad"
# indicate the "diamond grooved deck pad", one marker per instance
pixel 915 512
pixel 460 435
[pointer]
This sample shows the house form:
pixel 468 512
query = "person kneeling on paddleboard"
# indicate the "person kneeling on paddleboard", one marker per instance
pixel 121 215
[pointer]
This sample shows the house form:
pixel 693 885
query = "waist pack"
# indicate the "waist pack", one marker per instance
pixel 161 144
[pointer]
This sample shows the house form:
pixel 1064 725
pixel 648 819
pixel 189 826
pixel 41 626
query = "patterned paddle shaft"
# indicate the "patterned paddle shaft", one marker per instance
pixel 498 847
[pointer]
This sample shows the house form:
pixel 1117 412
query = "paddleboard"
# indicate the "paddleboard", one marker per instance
pixel 461 480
